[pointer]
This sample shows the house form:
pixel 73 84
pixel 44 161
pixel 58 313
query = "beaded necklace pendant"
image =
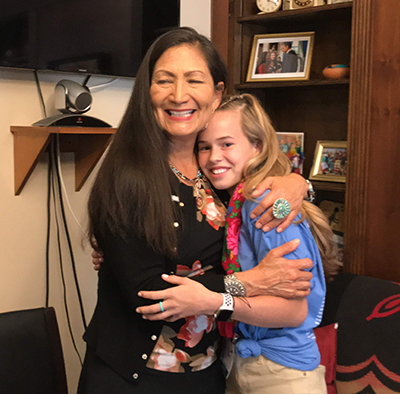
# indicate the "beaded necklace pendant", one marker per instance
pixel 185 178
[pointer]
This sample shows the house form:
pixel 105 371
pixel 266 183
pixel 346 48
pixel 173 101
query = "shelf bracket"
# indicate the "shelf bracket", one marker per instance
pixel 30 143
pixel 88 150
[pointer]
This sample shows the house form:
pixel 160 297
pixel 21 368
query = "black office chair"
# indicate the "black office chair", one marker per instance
pixel 31 357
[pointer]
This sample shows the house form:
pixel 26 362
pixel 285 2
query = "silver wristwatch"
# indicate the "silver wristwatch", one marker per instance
pixel 234 286
pixel 225 311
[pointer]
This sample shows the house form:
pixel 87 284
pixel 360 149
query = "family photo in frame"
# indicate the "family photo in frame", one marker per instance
pixel 292 145
pixel 281 57
pixel 330 161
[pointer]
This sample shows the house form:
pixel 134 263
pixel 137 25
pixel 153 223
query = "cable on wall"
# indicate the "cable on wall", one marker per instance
pixel 64 188
pixel 61 202
pixel 94 87
pixel 40 93
pixel 86 80
pixel 49 178
pixel 54 185
pixel 54 179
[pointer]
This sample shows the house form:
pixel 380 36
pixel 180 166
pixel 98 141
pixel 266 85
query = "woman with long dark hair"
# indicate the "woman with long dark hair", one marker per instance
pixel 272 64
pixel 152 212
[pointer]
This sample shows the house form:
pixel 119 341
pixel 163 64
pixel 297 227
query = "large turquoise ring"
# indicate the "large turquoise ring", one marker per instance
pixel 281 208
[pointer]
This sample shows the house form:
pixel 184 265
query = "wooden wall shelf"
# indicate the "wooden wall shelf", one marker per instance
pixel 329 186
pixel 282 84
pixel 88 144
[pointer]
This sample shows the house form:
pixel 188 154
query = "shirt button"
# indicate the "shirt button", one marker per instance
pixel 153 337
pixel 144 356
pixel 176 224
pixel 135 376
pixel 181 204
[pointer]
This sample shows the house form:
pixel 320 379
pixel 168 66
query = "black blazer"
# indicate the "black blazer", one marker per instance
pixel 289 62
pixel 120 336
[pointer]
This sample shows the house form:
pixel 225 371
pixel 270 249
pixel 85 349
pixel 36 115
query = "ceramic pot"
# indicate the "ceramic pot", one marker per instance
pixel 336 71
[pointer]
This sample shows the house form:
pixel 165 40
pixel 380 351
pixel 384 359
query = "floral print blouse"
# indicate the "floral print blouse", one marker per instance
pixel 191 344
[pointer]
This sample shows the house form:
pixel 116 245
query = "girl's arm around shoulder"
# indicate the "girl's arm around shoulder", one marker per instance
pixel 186 299
pixel 270 312
pixel 190 297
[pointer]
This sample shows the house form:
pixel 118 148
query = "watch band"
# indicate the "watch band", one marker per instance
pixel 311 192
pixel 226 309
pixel 234 286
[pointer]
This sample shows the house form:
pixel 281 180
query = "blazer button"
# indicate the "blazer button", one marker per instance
pixel 144 356
pixel 176 224
pixel 135 376
pixel 153 337
pixel 181 204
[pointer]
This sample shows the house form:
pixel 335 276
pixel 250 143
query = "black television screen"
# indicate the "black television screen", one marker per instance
pixel 106 37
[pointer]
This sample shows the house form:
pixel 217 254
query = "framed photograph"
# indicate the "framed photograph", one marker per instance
pixel 330 161
pixel 292 145
pixel 281 57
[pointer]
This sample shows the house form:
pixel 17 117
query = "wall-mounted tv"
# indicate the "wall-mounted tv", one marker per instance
pixel 107 37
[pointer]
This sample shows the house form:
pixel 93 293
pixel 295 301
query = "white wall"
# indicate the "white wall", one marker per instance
pixel 23 217
pixel 197 14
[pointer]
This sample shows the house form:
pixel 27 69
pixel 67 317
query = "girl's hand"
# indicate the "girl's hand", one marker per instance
pixel 97 259
pixel 187 298
pixel 292 188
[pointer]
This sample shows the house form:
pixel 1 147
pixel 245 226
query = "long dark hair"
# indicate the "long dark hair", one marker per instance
pixel 132 190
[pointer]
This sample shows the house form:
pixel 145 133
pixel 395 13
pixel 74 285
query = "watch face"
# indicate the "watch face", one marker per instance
pixel 303 3
pixel 269 5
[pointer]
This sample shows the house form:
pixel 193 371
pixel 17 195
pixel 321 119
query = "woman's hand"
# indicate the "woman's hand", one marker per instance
pixel 187 298
pixel 97 259
pixel 277 276
pixel 292 188
pixel 97 256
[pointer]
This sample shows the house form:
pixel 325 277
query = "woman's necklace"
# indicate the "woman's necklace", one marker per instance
pixel 185 178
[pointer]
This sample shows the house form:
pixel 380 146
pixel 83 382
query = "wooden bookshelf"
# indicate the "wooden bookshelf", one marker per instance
pixel 362 110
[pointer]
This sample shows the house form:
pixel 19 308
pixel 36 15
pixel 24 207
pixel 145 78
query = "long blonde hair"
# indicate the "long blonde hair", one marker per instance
pixel 271 161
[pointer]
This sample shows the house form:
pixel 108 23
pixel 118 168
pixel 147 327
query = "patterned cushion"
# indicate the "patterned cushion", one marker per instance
pixel 368 342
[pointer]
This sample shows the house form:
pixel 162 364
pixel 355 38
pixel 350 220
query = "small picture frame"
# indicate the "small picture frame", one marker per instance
pixel 292 145
pixel 330 161
pixel 334 212
pixel 281 57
